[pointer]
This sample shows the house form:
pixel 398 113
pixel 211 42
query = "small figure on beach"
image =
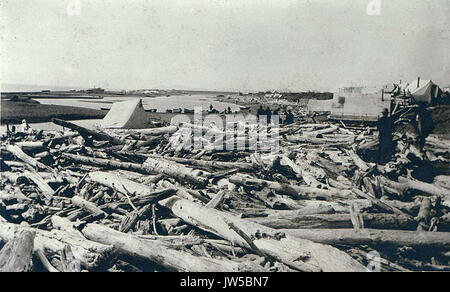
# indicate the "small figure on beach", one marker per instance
pixel 423 125
pixel 289 118
pixel 268 113
pixel 260 112
pixel 385 128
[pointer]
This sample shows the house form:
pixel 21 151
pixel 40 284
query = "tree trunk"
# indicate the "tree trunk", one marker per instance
pixel 16 151
pixel 90 254
pixel 439 240
pixel 108 163
pixel 86 133
pixel 176 171
pixel 157 252
pixel 331 221
pixel 16 255
pixel 300 254
pixel 296 192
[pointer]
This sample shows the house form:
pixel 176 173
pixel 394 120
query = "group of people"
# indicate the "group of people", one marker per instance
pixel 268 113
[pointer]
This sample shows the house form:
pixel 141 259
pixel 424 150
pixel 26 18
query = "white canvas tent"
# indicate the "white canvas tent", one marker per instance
pixel 126 115
pixel 423 91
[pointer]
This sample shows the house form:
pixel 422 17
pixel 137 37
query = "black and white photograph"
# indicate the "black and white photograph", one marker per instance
pixel 229 140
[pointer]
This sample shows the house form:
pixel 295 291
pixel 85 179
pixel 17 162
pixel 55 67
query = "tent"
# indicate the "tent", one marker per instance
pixel 423 91
pixel 126 115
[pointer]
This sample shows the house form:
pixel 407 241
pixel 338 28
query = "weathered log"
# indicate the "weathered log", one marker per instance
pixel 346 142
pixel 296 192
pixel 47 265
pixel 16 151
pixel 16 255
pixel 89 207
pixel 150 132
pixel 332 221
pixel 176 171
pixel 423 218
pixel 90 254
pixel 315 133
pixel 157 252
pixel 140 194
pixel 30 146
pixel 358 161
pixel 405 185
pixel 439 240
pixel 383 205
pixel 46 190
pixel 285 249
pixel 301 172
pixel 211 165
pixel 68 262
pixel 86 133
pixel 108 163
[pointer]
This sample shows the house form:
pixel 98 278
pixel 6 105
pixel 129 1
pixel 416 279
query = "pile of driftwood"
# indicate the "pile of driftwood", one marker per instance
pixel 134 200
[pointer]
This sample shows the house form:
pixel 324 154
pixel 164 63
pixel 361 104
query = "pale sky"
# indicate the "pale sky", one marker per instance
pixel 243 45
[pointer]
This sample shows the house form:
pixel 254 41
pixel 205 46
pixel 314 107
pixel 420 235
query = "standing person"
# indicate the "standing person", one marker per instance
pixel 385 128
pixel 424 124
pixel 269 115
pixel 289 118
pixel 260 112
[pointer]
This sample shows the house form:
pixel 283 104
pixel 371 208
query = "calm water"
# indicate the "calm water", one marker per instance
pixel 159 103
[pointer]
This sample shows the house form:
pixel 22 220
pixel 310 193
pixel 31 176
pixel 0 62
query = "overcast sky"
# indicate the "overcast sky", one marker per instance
pixel 224 44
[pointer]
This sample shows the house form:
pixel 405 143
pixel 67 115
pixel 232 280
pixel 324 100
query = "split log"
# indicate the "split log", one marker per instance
pixel 299 254
pixel 86 133
pixel 296 192
pixel 16 255
pixel 176 171
pixel 157 252
pixel 332 221
pixel 374 237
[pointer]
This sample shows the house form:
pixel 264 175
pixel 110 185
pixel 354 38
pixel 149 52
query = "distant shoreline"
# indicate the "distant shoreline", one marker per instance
pixel 13 112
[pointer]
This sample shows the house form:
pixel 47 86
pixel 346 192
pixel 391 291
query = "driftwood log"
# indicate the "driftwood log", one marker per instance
pixel 296 192
pixel 299 254
pixel 158 252
pixel 373 237
pixel 16 255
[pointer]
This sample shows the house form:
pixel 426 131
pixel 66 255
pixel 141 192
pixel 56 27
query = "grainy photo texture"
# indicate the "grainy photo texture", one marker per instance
pixel 225 136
